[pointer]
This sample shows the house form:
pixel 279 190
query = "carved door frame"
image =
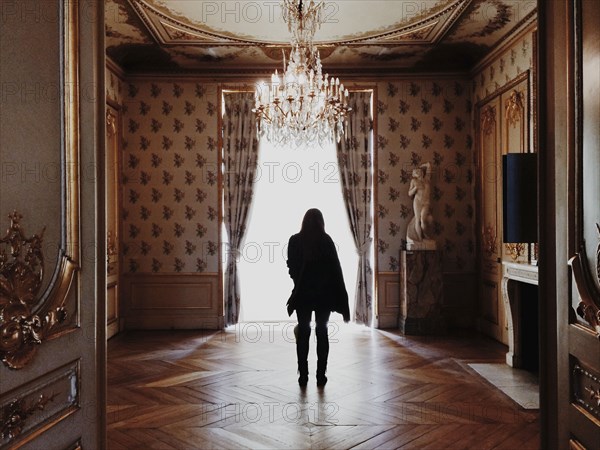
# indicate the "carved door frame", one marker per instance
pixel 569 290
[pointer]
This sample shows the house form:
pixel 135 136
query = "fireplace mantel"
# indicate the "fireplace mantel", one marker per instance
pixel 515 272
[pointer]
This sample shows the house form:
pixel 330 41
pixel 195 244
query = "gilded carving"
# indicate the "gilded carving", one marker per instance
pixel 598 255
pixel 16 413
pixel 514 108
pixel 589 294
pixel 594 394
pixel 489 240
pixel 21 274
pixel 514 250
pixel 488 120
pixel 587 389
pixel 111 125
pixel 111 253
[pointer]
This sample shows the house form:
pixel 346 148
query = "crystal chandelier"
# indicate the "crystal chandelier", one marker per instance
pixel 304 106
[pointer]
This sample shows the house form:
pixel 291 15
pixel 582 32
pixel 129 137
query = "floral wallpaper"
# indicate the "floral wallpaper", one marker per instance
pixel 421 121
pixel 513 62
pixel 170 198
pixel 170 217
pixel 170 210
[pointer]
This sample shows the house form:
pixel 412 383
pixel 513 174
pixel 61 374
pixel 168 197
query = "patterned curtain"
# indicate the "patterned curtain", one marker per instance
pixel 240 153
pixel 354 159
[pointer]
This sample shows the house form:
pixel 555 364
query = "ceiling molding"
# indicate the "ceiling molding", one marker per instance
pixel 427 30
pixel 169 31
pixel 247 76
pixel 399 37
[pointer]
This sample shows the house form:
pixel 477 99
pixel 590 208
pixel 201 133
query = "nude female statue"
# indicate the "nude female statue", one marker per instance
pixel 419 228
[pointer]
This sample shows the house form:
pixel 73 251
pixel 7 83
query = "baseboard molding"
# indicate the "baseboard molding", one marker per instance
pixel 172 301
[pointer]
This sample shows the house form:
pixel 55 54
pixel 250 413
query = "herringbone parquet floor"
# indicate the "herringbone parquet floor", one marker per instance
pixel 238 389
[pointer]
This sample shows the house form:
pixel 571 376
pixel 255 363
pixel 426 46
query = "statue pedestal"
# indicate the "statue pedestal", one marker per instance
pixel 421 293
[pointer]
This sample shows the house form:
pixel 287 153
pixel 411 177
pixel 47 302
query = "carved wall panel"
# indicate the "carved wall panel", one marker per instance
pixel 42 182
pixel 515 139
pixel 586 392
pixel 50 63
pixel 490 177
pixel 503 123
pixel 25 413
pixel 490 119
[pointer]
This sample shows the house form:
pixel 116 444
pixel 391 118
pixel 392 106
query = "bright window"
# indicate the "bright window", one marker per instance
pixel 289 182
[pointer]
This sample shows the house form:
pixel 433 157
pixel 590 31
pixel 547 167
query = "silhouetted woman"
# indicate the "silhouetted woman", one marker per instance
pixel 318 286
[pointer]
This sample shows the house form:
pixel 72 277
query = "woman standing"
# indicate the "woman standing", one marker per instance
pixel 318 286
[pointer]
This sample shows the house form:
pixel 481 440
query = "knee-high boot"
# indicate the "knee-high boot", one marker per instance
pixel 321 369
pixel 303 372
pixel 302 341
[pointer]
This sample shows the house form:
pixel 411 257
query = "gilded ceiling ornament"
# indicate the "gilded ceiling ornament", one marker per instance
pixel 514 107
pixel 21 274
pixel 488 119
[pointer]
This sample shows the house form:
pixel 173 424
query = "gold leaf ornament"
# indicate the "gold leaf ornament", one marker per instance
pixel 21 275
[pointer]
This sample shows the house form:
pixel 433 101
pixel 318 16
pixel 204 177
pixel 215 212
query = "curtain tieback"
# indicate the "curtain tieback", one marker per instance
pixel 364 248
pixel 235 253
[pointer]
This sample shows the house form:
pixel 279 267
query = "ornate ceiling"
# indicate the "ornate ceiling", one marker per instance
pixel 357 36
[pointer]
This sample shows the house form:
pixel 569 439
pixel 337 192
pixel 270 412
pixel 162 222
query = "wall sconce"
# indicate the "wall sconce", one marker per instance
pixel 519 201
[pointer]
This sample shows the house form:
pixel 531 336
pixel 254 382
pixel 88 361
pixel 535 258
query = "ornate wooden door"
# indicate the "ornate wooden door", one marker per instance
pixel 584 320
pixel 569 223
pixel 51 262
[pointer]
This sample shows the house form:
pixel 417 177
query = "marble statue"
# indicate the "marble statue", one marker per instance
pixel 419 234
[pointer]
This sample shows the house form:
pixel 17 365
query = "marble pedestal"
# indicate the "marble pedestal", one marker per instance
pixel 421 292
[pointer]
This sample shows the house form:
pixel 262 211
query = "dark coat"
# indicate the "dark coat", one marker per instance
pixel 318 279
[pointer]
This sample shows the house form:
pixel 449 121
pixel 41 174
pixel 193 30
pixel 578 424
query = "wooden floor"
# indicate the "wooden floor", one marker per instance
pixel 238 389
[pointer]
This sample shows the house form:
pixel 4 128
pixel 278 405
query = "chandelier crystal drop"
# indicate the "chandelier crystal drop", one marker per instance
pixel 303 106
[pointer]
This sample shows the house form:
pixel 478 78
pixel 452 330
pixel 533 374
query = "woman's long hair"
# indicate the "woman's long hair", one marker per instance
pixel 312 233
